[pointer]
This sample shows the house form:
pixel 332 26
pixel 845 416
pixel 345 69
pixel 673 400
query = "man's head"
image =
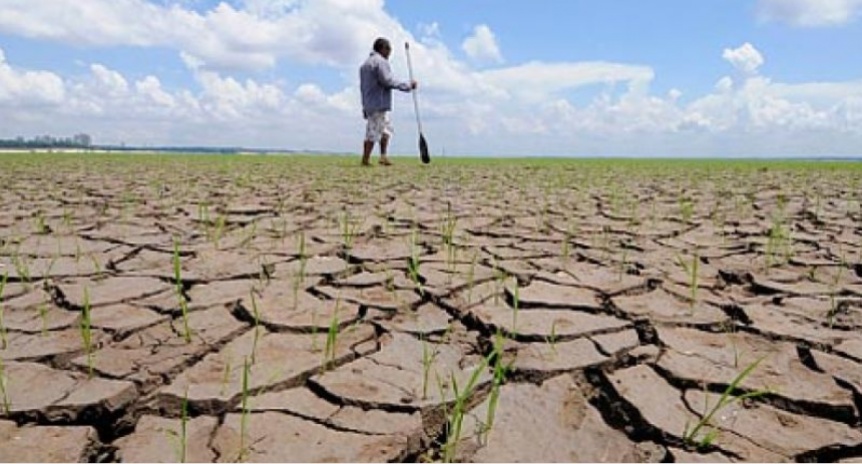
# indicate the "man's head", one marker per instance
pixel 383 47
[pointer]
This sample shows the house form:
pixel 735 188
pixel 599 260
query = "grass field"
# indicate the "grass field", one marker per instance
pixel 305 308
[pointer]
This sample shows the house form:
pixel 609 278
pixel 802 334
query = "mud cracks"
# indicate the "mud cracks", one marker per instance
pixel 339 314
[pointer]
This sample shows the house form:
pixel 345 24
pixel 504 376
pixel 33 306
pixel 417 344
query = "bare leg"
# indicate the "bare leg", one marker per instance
pixel 367 148
pixel 384 145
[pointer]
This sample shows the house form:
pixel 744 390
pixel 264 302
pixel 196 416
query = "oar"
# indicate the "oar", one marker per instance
pixel 423 145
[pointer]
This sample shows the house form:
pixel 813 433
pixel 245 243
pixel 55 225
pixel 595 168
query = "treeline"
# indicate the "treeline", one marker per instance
pixel 47 141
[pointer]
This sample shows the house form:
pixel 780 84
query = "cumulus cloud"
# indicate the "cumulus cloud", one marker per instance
pixel 810 13
pixel 522 108
pixel 745 59
pixel 28 87
pixel 252 36
pixel 482 45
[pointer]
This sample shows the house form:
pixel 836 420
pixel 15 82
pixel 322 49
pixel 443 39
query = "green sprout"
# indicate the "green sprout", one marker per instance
pixel 501 371
pixel 413 263
pixel 3 340
pixel 87 333
pixel 331 340
pixel 181 438
pixel 727 398
pixel 455 421
pixel 187 333
pixel 4 388
pixel 256 315
pixel 693 271
pixel 244 448
pixel 428 358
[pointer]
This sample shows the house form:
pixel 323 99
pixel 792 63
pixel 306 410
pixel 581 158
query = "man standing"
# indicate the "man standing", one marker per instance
pixel 376 82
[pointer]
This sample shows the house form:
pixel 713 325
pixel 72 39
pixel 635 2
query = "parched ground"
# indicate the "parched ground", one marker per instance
pixel 211 309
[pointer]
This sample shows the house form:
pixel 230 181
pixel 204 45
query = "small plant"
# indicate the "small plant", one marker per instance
pixel 246 412
pixel 67 218
pixel 499 282
pixel 516 306
pixel 314 330
pixel 331 340
pixel 226 375
pixel 349 229
pixel 181 297
pixel 43 316
pixel 41 226
pixel 623 263
pixel 500 372
pixel 181 438
pixel 834 307
pixel 727 398
pixel 4 391
pixel 571 231
pixel 471 277
pixel 87 333
pixel 428 358
pixel 692 271
pixel 553 338
pixel 686 209
pixel 252 233
pixel 256 315
pixel 448 226
pixel 413 263
pixel 3 340
pixel 96 265
pixel 455 421
pixel 221 223
pixel 22 268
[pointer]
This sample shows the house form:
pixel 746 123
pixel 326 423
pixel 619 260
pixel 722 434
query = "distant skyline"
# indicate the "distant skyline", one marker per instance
pixel 558 77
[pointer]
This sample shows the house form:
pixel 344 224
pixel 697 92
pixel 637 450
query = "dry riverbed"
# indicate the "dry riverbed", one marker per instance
pixel 159 308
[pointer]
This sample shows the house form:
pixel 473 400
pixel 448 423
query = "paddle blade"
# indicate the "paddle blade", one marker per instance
pixel 423 150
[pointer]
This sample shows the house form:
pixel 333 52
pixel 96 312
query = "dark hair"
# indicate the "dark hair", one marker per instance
pixel 380 44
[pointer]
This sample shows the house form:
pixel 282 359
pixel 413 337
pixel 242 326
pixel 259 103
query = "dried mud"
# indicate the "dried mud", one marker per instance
pixel 336 313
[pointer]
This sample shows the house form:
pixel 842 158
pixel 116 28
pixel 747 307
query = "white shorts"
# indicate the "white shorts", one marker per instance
pixel 378 124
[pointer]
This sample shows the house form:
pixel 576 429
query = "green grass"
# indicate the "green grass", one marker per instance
pixel 3 340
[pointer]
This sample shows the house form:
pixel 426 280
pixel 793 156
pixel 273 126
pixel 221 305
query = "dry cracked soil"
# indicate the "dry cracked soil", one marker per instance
pixel 161 309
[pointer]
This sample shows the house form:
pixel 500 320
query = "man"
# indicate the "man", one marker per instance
pixel 376 82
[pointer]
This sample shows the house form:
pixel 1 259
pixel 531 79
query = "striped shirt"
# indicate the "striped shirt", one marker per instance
pixel 376 82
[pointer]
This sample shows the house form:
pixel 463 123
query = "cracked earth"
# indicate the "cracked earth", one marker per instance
pixel 158 309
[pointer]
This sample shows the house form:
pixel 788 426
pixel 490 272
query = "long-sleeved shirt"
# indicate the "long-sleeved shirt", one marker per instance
pixel 376 82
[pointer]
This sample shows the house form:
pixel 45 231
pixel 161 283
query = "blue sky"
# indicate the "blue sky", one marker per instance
pixel 554 77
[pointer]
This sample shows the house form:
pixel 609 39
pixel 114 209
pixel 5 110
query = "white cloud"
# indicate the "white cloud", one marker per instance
pixel 745 59
pixel 535 81
pixel 151 88
pixel 28 87
pixel 110 82
pixel 329 32
pixel 810 13
pixel 482 45
pixel 523 108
